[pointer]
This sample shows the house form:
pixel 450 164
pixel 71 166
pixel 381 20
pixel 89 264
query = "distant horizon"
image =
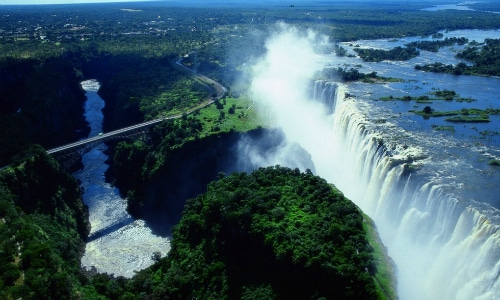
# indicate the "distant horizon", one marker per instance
pixel 68 2
pixel 54 2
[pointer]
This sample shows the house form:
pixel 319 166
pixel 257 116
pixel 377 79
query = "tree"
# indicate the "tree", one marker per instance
pixel 222 115
pixel 232 109
pixel 156 256
pixel 427 110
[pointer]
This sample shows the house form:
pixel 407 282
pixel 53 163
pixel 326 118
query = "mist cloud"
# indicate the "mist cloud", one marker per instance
pixel 269 149
pixel 280 85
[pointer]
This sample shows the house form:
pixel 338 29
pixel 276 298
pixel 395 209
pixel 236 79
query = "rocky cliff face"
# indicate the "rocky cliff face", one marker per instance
pixel 42 103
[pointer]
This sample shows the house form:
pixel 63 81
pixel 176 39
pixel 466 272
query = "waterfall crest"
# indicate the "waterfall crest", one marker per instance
pixel 444 247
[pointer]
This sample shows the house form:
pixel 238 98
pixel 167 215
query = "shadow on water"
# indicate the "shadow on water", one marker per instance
pixel 190 170
pixel 109 229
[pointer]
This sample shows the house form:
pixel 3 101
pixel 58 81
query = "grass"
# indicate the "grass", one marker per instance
pixel 443 128
pixel 468 119
pixel 435 96
pixel 385 275
pixel 471 115
pixel 494 162
pixel 380 79
pixel 244 118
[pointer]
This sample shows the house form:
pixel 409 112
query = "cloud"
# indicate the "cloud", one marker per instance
pixel 281 88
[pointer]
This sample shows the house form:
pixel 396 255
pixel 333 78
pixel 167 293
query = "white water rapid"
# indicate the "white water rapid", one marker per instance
pixel 117 243
pixel 444 247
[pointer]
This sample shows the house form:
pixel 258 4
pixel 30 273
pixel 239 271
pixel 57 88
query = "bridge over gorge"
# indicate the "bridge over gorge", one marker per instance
pixel 69 154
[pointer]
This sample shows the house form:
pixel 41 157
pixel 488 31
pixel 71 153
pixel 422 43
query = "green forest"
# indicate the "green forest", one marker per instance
pixel 314 243
pixel 276 233
pixel 311 241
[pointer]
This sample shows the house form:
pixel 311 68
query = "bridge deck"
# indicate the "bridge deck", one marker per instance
pixel 106 136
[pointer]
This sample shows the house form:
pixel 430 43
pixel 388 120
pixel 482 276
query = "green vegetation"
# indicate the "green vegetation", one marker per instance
pixel 146 89
pixel 434 46
pixel 134 164
pixel 485 60
pixel 129 50
pixel 443 128
pixel 229 114
pixel 447 95
pixel 275 231
pixel 384 277
pixel 472 115
pixel 42 102
pixel 494 162
pixel 398 53
pixel 353 74
pixel 43 223
pixel 469 119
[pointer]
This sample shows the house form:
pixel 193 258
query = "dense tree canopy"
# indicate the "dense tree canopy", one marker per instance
pixel 276 231
pixel 43 223
pixel 398 53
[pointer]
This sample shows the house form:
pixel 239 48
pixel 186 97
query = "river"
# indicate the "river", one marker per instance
pixel 462 151
pixel 117 243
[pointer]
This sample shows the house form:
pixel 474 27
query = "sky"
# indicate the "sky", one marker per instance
pixel 30 2
pixel 27 2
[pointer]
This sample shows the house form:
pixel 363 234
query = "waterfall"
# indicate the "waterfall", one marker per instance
pixel 444 247
pixel 326 93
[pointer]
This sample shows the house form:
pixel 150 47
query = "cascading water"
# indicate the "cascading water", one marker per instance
pixel 444 247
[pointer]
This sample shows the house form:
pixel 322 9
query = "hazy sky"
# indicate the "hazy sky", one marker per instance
pixel 25 2
pixel 10 2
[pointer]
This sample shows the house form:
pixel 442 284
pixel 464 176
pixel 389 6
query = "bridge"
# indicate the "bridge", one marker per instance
pixel 69 154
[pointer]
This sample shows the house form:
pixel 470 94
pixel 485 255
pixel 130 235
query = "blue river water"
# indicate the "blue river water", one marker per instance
pixel 464 151
pixel 117 244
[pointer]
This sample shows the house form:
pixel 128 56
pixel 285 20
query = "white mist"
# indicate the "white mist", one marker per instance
pixel 279 86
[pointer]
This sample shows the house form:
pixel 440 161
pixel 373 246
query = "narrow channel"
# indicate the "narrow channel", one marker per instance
pixel 117 243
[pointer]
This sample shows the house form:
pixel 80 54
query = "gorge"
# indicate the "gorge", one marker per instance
pixel 114 233
pixel 444 245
